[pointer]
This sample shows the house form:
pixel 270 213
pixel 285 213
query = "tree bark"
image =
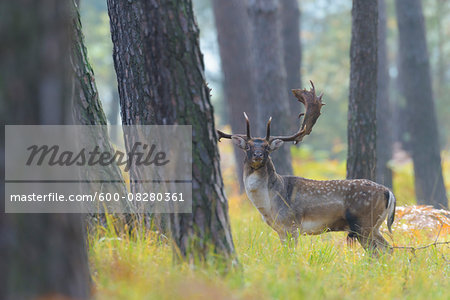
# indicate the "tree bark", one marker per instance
pixel 233 30
pixel 161 80
pixel 361 156
pixel 270 76
pixel 41 255
pixel 415 81
pixel 88 110
pixel 384 112
pixel 290 22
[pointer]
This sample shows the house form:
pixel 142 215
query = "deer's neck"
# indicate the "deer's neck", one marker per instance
pixel 259 184
pixel 266 171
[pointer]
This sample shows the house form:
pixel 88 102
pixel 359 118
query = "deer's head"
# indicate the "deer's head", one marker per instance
pixel 258 149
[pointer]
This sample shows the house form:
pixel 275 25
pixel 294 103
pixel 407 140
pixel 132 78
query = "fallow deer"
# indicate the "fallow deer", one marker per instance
pixel 293 205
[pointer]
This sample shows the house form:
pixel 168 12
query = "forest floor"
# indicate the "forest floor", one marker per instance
pixel 321 267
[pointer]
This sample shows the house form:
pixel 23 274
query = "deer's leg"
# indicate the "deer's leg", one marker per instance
pixel 288 237
pixel 367 233
pixel 381 242
pixel 293 234
pixel 364 239
pixel 372 241
pixel 362 232
pixel 351 239
pixel 283 236
pixel 368 241
pixel 355 229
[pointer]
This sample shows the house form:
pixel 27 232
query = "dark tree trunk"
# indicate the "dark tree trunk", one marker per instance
pixel 233 32
pixel 87 105
pixel 384 113
pixel 290 21
pixel 161 80
pixel 361 156
pixel 41 255
pixel 270 76
pixel 415 81
pixel 88 110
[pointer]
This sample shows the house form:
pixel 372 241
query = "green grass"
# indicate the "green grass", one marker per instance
pixel 321 267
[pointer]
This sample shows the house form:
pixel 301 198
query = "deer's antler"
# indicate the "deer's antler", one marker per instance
pixel 228 136
pixel 312 104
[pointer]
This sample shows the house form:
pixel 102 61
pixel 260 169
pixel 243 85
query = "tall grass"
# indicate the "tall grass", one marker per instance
pixel 140 266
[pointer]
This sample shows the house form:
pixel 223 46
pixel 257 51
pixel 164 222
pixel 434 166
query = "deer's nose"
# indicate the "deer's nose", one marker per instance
pixel 258 155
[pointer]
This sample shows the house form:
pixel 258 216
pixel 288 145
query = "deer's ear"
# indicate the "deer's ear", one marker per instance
pixel 275 144
pixel 238 141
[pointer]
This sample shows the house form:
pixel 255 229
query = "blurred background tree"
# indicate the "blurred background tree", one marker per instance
pixel 292 55
pixel 417 90
pixel 233 36
pixel 361 157
pixel 270 79
pixel 42 256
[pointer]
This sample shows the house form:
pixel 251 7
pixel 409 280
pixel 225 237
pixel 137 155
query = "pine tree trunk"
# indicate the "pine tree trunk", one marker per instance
pixel 88 109
pixel 361 156
pixel 270 76
pixel 161 80
pixel 415 81
pixel 233 32
pixel 290 22
pixel 41 255
pixel 384 113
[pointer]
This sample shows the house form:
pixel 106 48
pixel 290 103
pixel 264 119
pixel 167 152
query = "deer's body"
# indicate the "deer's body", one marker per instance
pixel 293 205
